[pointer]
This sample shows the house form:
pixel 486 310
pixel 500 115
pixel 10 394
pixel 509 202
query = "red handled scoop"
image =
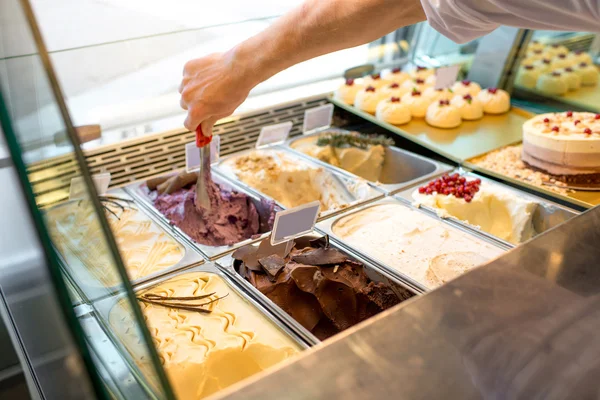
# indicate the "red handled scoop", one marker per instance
pixel 204 177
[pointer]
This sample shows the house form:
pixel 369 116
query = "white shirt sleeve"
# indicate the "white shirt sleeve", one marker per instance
pixel 465 20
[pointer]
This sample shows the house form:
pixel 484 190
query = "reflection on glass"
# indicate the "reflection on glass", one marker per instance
pixel 434 49
pixel 76 227
pixel 560 68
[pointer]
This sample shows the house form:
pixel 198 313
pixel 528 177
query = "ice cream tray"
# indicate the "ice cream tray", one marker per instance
pixel 344 180
pixel 375 273
pixel 82 279
pixel 140 193
pixel 328 225
pixel 401 168
pixel 546 216
pixel 103 308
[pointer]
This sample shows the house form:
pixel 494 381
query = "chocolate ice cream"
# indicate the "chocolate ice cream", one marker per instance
pixel 317 285
pixel 234 216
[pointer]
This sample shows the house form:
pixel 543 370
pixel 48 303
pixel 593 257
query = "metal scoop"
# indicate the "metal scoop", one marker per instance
pixel 204 178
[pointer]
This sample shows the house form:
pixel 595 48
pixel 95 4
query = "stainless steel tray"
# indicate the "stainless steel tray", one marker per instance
pixel 139 191
pixel 547 215
pixel 81 277
pixel 401 168
pixel 345 180
pixel 373 272
pixel 327 227
pixel 104 307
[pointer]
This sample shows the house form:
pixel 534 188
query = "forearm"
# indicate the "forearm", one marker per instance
pixel 319 27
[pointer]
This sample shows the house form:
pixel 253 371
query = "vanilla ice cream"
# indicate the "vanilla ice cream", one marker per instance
pixel 426 250
pixel 203 352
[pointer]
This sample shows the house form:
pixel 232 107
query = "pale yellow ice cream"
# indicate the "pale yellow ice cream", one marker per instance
pixel 292 181
pixel 366 163
pixel 492 209
pixel 145 248
pixel 203 353
pixel 413 243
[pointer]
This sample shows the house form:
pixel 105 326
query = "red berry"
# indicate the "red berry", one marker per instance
pixel 492 90
pixel 349 82
pixel 597 116
pixel 546 61
pixel 569 114
pixel 419 68
pixel 370 89
pixel 477 181
pixel 428 190
pixel 394 86
pixel 562 56
pixel 528 67
pixel 376 76
pixel 467 97
pixel 569 69
pixel 588 131
pixel 455 176
pixel 576 122
pixel 556 73
pixel 555 128
pixel 466 82
pixel 546 120
pixel 422 189
pixel 396 70
pixel 583 65
pixel 395 99
pixel 462 179
pixel 419 81
pixel 416 93
pixel 468 198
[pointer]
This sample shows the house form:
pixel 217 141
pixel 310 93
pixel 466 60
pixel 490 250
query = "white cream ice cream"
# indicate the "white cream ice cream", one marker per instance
pixel 442 114
pixel 203 353
pixel 393 111
pixel 492 209
pixel 470 108
pixel 412 243
pixel 417 103
pixel 292 181
pixel 494 101
pixel 338 149
pixel 145 248
pixel 368 98
pixel 347 92
pixel 553 83
pixel 466 87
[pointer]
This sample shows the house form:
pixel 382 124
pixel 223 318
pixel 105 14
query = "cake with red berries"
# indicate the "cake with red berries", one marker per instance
pixel 566 145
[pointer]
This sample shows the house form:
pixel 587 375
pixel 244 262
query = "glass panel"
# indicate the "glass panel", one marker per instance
pixel 559 71
pixel 76 230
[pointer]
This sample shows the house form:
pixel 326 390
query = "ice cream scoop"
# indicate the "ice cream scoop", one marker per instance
pixel 204 181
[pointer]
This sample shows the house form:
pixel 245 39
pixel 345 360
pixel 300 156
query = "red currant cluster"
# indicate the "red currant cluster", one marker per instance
pixel 454 185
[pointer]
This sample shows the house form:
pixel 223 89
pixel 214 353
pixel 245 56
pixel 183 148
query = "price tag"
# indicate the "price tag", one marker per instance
pixel 273 134
pixel 192 154
pixel 77 188
pixel 317 118
pixel 446 76
pixel 295 222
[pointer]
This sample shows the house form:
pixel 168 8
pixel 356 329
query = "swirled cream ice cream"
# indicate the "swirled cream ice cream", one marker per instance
pixel 208 349
pixel 426 250
pixel 144 246
pixel 291 180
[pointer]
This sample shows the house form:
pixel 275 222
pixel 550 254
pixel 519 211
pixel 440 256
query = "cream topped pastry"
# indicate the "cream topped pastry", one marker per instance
pixel 206 335
pixel 566 145
pixel 544 64
pixel 553 83
pixel 417 103
pixel 375 80
pixel 347 92
pixel 580 56
pixel 561 61
pixel 442 114
pixel 494 101
pixel 393 90
pixel 422 72
pixel 396 75
pixel 535 45
pixel 527 76
pixel 393 111
pixel 438 94
pixel 409 241
pixel 556 49
pixel 588 74
pixel 573 80
pixel 367 99
pixel 489 207
pixel 470 108
pixel 414 84
pixel 466 87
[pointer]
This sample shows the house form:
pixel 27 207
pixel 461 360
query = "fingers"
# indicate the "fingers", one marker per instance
pixel 207 126
pixel 183 104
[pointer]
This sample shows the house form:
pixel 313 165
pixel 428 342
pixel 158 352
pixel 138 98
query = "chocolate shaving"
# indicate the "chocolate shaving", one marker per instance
pixel 243 252
pixel 166 302
pixel 153 183
pixel 321 256
pixel 272 265
pixel 265 249
pixel 320 242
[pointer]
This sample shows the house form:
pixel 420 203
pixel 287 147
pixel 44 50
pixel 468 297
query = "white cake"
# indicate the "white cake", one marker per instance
pixel 393 111
pixel 494 101
pixel 466 87
pixel 368 98
pixel 414 84
pixel 417 103
pixel 347 92
pixel 470 108
pixel 553 83
pixel 441 114
pixel 561 61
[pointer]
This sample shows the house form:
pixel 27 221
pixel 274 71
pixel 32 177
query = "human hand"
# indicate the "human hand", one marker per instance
pixel 212 88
